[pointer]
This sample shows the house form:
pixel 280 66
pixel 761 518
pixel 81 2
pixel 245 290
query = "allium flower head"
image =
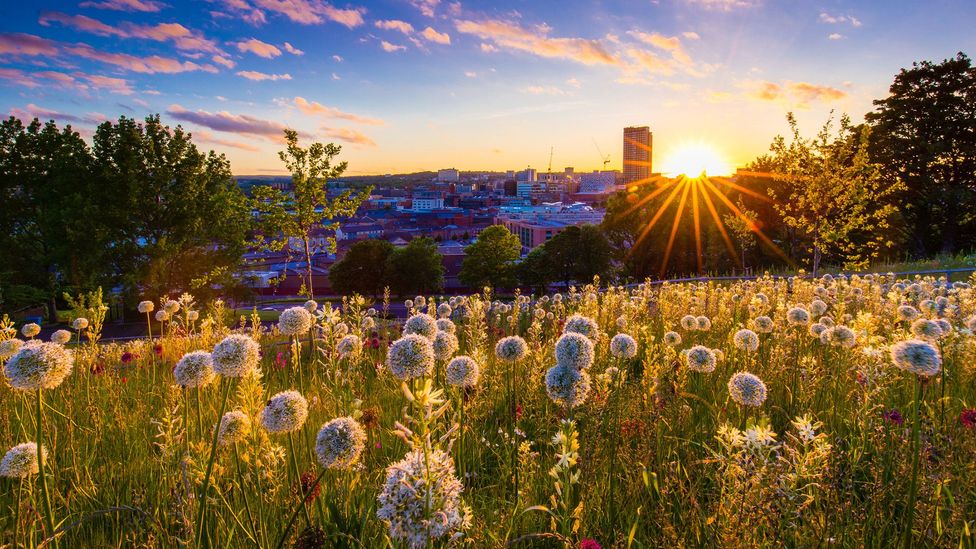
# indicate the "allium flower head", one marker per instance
pixel 746 340
pixel 79 323
pixel 916 356
pixel 61 337
pixel 463 371
pixel 162 316
pixel 567 386
pixel 38 365
pixel 339 443
pixel 574 350
pixel 31 329
pixel 295 321
pixel 9 347
pixel 285 412
pixel 446 325
pixel 410 357
pixel 703 323
pixel 21 460
pixel 798 316
pixel 816 329
pixel 672 339
pixel 311 306
pixel 443 310
pixel 236 355
pixel 747 389
pixel 818 307
pixel 367 323
pixel 580 324
pixel 623 346
pixel 171 307
pixel 700 359
pixel 511 348
pixel 235 426
pixel 421 499
pixel 924 328
pixel 689 323
pixel 195 369
pixel 908 313
pixel 839 336
pixel 763 324
pixel 445 345
pixel 421 324
pixel 349 346
pixel 146 307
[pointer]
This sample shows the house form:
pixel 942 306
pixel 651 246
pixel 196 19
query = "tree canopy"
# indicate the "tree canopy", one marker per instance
pixel 416 268
pixel 363 270
pixel 490 260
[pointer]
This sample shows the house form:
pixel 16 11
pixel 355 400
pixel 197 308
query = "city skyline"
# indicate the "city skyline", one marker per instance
pixel 420 85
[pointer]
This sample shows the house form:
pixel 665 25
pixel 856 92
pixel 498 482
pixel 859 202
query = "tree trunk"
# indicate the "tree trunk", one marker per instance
pixel 308 267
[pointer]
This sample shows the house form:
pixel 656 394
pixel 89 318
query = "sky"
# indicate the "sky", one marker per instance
pixel 411 85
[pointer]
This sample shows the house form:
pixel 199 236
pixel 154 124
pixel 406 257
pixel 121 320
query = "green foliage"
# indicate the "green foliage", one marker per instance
pixel 490 260
pixel 416 268
pixel 363 270
pixel 296 214
pixel 924 134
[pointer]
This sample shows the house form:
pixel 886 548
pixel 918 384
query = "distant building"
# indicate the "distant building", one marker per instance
pixel 535 225
pixel 528 174
pixel 638 149
pixel 427 200
pixel 510 187
pixel 529 188
pixel 450 175
pixel 597 182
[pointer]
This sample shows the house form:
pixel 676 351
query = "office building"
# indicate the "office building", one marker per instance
pixel 638 153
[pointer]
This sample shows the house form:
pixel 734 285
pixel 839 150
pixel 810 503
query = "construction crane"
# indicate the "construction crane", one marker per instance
pixel 550 161
pixel 605 159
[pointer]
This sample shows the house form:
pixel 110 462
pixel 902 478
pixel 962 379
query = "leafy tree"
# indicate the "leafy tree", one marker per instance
pixel 740 230
pixel 534 271
pixel 924 134
pixel 490 260
pixel 832 194
pixel 295 215
pixel 416 268
pixel 578 253
pixel 363 270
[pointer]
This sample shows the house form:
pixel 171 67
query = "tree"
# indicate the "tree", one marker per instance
pixel 578 253
pixel 924 134
pixel 294 215
pixel 534 271
pixel 832 193
pixel 416 268
pixel 490 260
pixel 740 229
pixel 363 270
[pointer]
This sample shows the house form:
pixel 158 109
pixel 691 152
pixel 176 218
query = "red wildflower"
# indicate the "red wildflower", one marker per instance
pixel 893 416
pixel 158 349
pixel 968 418
pixel 590 543
pixel 309 486
pixel 127 357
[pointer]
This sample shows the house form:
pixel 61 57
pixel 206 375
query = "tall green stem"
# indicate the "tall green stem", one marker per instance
pixel 42 466
pixel 213 455
pixel 916 450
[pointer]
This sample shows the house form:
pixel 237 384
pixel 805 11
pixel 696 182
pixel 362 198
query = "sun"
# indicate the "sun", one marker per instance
pixel 695 159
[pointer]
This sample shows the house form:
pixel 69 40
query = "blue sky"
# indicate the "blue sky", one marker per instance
pixel 408 85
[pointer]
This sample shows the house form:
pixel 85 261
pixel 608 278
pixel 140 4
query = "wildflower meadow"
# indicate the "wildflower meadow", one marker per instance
pixel 779 412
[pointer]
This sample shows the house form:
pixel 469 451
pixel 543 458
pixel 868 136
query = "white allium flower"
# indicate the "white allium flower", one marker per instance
pixel 623 346
pixel 719 355
pixel 285 412
pixel 21 460
pixel 907 313
pixel 311 306
pixel 410 357
pixel 672 339
pixel 700 359
pixel 798 316
pixel 349 346
pixel 31 329
pixel 367 323
pixel 689 322
pixel 444 310
pixel 944 325
pixel 61 337
pixel 38 365
pixel 339 443
pixel 924 328
pixel 408 304
pixel 421 500
pixel 146 307
pixel 162 316
pixel 763 324
pixel 446 325
pixel 419 301
pixel 816 329
pixel 235 426
pixel 421 324
pixel 747 389
pixel 511 348
pixel 817 307
pixel 195 369
pixel 9 347
pixel 445 345
pixel 840 336
pixel 79 323
pixel 746 340
pixel 827 321
pixel 567 386
pixel 295 321
pixel 171 307
pixel 236 355
pixel 703 323
pixel 463 372
pixel 574 350
pixel 581 325
pixel 192 316
pixel 917 357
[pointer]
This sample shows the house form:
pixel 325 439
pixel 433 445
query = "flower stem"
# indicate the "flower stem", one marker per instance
pixel 213 455
pixel 916 450
pixel 48 514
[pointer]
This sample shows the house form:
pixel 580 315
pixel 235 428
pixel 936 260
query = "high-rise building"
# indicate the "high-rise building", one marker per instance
pixel 638 148
pixel 449 175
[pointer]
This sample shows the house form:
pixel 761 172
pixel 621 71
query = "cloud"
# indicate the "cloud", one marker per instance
pixel 471 74
pixel 671 44
pixel 349 135
pixel 183 38
pixel 723 5
pixel 426 7
pixel 799 94
pixel 839 19
pixel 203 136
pixel 27 44
pixel 690 35
pixel 336 76
pixel 544 90
pixel 293 50
pixel 221 60
pixel 433 36
pixel 32 111
pixel 388 47
pixel 394 24
pixel 512 36
pixel 115 85
pixel 259 48
pixel 224 121
pixel 351 18
pixel 337 58
pixel 314 108
pixel 306 12
pixel 488 48
pixel 835 36
pixel 573 82
pixel 126 5
pixel 148 65
pixel 260 76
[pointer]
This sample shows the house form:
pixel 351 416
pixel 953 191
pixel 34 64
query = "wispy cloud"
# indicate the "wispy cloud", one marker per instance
pixel 181 37
pixel 723 5
pixel 306 12
pixel 839 19
pixel 148 65
pixel 22 44
pixel 544 90
pixel 126 5
pixel 292 49
pixel 426 7
pixel 432 35
pixel 224 121
pixel 203 136
pixel 390 47
pixel 315 108
pixel 260 76
pixel 797 94
pixel 349 135
pixel 513 36
pixel 259 48
pixel 394 25
pixel 32 111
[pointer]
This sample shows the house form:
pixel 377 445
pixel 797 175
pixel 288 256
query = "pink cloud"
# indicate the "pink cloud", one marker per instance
pixel 349 136
pixel 394 24
pixel 126 5
pixel 183 38
pixel 224 121
pixel 115 85
pixel 390 47
pixel 306 12
pixel 203 136
pixel 79 22
pixel 797 94
pixel 147 65
pixel 426 7
pixel 293 50
pixel 221 60
pixel 260 76
pixel 512 36
pixel 352 17
pixel 27 44
pixel 32 111
pixel 315 108
pixel 438 37
pixel 259 48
